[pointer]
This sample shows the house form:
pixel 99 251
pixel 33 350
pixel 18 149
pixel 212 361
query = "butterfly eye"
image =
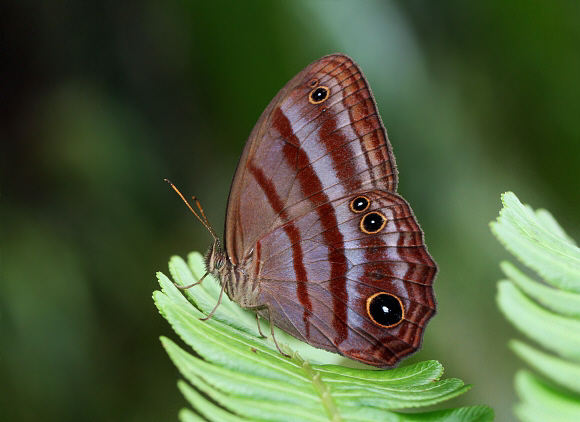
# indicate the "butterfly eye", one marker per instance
pixel 219 262
pixel 359 204
pixel 385 309
pixel 313 83
pixel 318 95
pixel 373 222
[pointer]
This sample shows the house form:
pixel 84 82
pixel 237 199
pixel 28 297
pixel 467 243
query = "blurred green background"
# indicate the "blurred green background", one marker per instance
pixel 101 100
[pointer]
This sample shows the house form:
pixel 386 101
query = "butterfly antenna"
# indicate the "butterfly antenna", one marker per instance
pixel 203 220
pixel 210 228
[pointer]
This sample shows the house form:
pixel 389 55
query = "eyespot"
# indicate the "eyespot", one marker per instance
pixel 373 222
pixel 318 95
pixel 313 83
pixel 385 309
pixel 359 204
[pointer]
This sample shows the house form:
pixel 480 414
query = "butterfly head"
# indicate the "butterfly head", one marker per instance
pixel 215 258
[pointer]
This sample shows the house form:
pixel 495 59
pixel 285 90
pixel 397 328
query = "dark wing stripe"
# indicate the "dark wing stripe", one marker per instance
pixel 312 188
pixel 289 228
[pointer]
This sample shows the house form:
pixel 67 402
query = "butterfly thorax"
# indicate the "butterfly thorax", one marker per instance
pixel 232 278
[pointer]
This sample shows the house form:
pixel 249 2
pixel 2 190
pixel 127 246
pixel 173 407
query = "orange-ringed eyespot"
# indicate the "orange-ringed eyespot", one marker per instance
pixel 373 222
pixel 359 204
pixel 385 309
pixel 318 95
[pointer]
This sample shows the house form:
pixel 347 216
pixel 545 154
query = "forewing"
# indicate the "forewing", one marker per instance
pixel 302 155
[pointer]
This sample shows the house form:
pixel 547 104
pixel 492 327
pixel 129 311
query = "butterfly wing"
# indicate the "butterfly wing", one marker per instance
pixel 291 228
pixel 303 153
pixel 323 298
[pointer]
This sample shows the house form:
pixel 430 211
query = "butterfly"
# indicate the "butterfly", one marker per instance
pixel 317 240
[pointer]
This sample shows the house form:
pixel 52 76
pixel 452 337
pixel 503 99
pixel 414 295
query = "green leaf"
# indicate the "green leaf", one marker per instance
pixel 541 402
pixel 563 372
pixel 548 315
pixel 235 375
pixel 535 241
pixel 548 222
pixel 562 302
pixel 555 332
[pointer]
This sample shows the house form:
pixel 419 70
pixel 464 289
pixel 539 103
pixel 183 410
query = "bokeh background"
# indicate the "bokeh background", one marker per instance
pixel 101 100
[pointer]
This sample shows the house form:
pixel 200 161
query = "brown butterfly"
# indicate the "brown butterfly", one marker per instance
pixel 317 240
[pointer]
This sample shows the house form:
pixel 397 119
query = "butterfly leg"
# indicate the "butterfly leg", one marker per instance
pixel 258 323
pixel 261 308
pixel 190 285
pixel 274 338
pixel 217 304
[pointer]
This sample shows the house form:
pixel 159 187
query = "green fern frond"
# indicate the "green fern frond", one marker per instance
pixel 547 313
pixel 235 375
